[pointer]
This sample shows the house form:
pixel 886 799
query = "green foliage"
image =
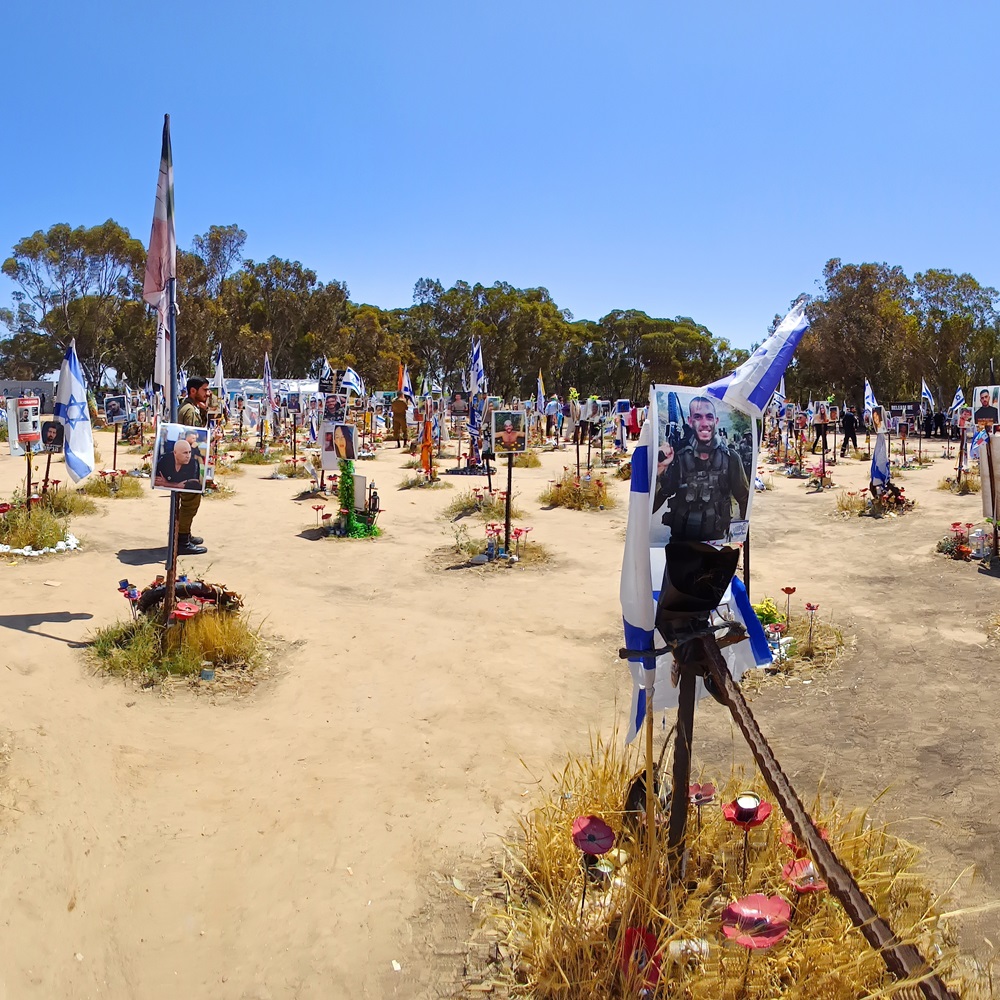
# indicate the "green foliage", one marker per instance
pixel 254 457
pixel 294 471
pixel 67 502
pixel 527 460
pixel 587 493
pixel 41 530
pixel 356 528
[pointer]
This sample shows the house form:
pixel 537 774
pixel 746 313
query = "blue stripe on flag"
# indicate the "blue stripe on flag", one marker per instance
pixel 639 480
pixel 755 631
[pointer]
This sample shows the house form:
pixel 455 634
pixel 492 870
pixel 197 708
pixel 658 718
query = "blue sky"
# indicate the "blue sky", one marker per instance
pixel 701 160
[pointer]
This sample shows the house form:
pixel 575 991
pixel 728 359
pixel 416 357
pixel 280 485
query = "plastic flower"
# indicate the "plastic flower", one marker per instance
pixel 788 590
pixel 812 607
pixel 802 876
pixel 701 795
pixel 756 921
pixel 592 835
pixel 186 609
pixel 748 816
pixel 639 954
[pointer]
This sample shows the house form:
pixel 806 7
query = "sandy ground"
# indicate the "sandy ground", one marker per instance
pixel 296 841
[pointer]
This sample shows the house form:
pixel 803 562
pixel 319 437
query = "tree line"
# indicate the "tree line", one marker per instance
pixel 85 283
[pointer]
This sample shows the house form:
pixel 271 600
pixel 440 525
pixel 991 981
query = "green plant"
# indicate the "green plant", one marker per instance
pixel 42 530
pixel 490 506
pixel 422 482
pixel 254 457
pixel 294 470
pixel 586 493
pixel 114 487
pixel 67 502
pixel 527 460
pixel 767 611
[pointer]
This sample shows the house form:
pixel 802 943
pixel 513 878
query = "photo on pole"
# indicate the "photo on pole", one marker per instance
pixel 180 456
pixel 509 432
pixel 986 403
pixel 52 436
pixel 706 454
pixel 115 409
pixel 294 402
pixel 336 444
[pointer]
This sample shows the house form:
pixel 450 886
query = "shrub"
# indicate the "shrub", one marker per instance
pixel 527 460
pixel 489 505
pixel 422 482
pixel 42 530
pixel 68 502
pixel 254 457
pixel 588 493
pixel 294 470
pixel 114 487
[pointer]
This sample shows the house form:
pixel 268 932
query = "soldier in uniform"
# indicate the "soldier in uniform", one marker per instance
pixel 701 479
pixel 192 413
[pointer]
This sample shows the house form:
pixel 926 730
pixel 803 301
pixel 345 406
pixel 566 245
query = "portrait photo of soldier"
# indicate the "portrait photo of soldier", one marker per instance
pixel 986 399
pixel 704 460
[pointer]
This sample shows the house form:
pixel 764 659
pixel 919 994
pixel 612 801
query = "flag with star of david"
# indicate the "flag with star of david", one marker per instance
pixel 71 410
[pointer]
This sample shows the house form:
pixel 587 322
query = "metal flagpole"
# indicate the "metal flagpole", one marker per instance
pixel 168 597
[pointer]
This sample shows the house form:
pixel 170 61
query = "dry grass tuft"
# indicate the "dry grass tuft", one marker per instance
pixel 68 503
pixel 214 490
pixel 488 505
pixel 971 483
pixel 423 483
pixel 590 492
pixel 42 530
pixel 294 470
pixel 554 947
pixel 849 502
pixel 527 460
pixel 144 650
pixel 125 487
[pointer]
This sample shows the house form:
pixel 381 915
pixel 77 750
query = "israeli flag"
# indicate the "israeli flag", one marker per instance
pixel 71 410
pixel 313 437
pixel 651 675
pixel 407 385
pixel 779 397
pixel 925 395
pixel 880 460
pixel 477 371
pixel 753 383
pixel 870 402
pixel 958 401
pixel 352 382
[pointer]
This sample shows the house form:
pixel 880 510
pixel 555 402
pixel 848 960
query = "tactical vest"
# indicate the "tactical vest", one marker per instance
pixel 704 503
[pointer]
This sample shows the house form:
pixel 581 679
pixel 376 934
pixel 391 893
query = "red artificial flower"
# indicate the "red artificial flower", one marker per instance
pixel 731 811
pixel 701 795
pixel 186 609
pixel 756 921
pixel 788 590
pixel 592 835
pixel 812 607
pixel 802 876
pixel 639 955
pixel 4 508
pixel 789 840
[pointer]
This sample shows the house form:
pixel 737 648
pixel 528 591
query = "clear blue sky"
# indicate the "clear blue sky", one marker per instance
pixel 695 159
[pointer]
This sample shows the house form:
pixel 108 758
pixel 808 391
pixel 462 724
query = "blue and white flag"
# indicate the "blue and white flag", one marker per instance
pixel 880 460
pixel 779 397
pixel 870 402
pixel 352 382
pixel 72 412
pixel 753 383
pixel 477 371
pixel 268 404
pixel 651 675
pixel 407 387
pixel 219 380
pixel 475 429
pixel 925 395
pixel 313 437
pixel 958 401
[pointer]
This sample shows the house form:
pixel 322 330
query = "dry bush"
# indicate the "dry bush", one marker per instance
pixel 527 460
pixel 586 493
pixel 423 483
pixel 294 470
pixel 489 506
pixel 67 502
pixel 214 490
pixel 555 947
pixel 126 487
pixel 849 502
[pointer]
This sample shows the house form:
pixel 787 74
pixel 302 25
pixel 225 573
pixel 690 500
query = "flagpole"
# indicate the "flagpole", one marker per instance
pixel 168 597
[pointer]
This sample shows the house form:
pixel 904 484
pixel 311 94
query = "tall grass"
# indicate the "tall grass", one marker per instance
pixel 527 460
pixel 126 488
pixel 41 530
pixel 559 946
pixel 489 506
pixel 585 493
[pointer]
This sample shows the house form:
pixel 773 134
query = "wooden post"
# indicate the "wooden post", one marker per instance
pixel 506 515
pixel 295 429
pixel 650 775
pixel 114 454
pixel 682 758
pixel 961 455
pixel 48 464
pixel 27 494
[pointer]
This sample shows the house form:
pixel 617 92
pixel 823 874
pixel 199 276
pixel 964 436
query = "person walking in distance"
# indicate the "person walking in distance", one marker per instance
pixel 399 407
pixel 849 425
pixel 193 413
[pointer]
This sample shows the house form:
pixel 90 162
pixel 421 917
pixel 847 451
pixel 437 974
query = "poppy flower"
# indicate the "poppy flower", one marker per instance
pixel 789 840
pixel 756 921
pixel 639 954
pixel 802 876
pixel 701 795
pixel 592 835
pixel 812 607
pixel 4 508
pixel 746 811
pixel 788 590
pixel 185 609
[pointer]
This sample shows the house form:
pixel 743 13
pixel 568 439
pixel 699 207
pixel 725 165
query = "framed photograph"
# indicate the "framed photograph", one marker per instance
pixel 964 417
pixel 295 402
pixel 706 461
pixel 834 414
pixel 116 409
pixel 52 436
pixel 336 442
pixel 623 406
pixel 509 432
pixel 333 408
pixel 878 419
pixel 985 402
pixel 180 455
